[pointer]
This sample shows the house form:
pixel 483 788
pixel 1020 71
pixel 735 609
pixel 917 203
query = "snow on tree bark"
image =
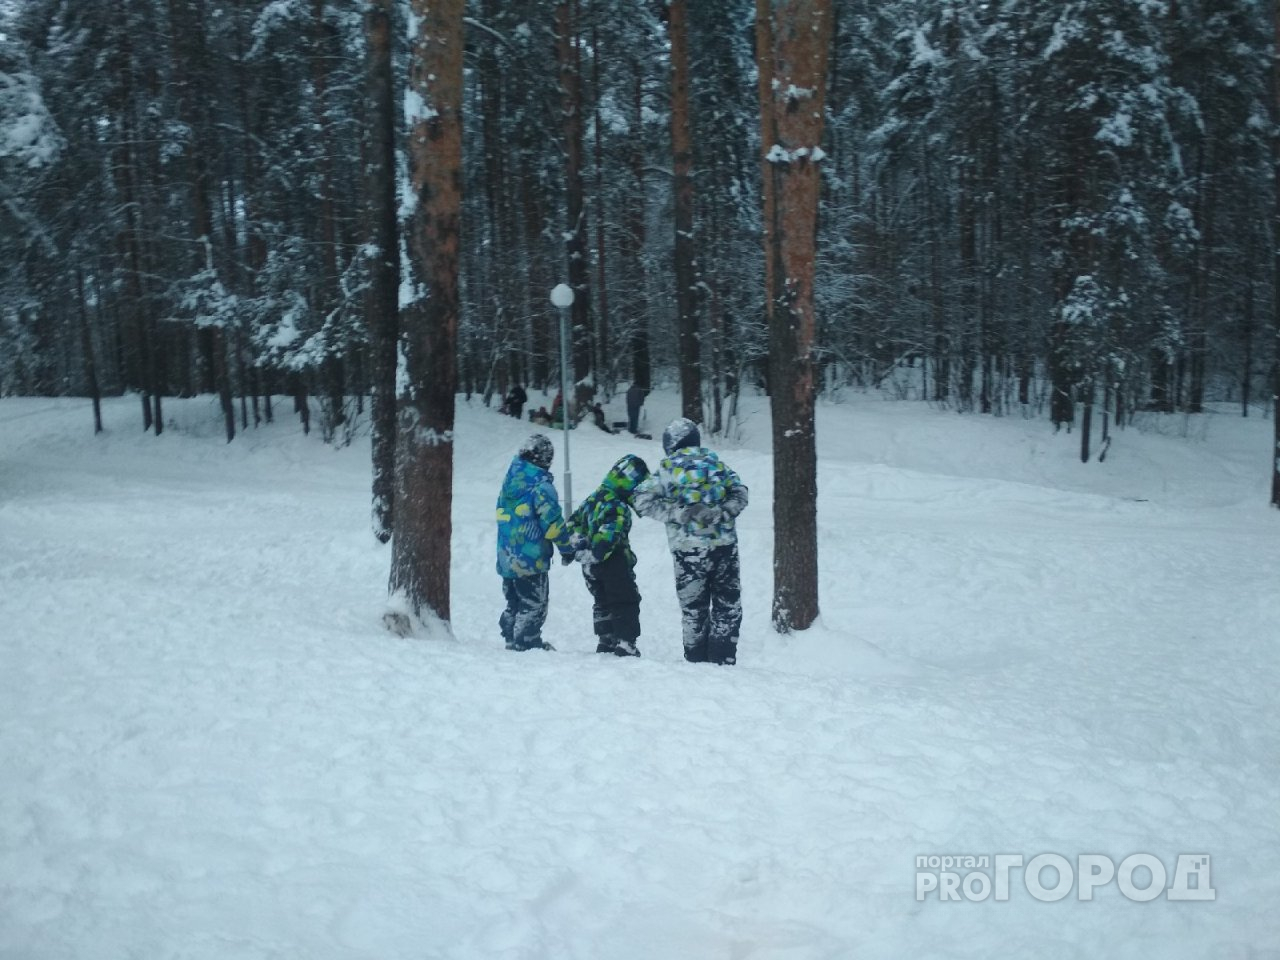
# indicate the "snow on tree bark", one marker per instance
pixel 793 40
pixel 428 377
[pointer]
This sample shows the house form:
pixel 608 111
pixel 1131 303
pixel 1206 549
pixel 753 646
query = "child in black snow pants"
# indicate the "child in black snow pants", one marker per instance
pixel 599 533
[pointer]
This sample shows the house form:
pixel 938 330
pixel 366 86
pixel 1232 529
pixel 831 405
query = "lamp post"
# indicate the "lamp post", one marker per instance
pixel 562 297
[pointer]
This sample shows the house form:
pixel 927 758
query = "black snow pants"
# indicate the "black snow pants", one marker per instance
pixel 615 599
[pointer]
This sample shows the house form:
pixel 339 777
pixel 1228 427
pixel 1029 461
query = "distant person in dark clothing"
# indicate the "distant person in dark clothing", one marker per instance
pixel 635 400
pixel 597 416
pixel 513 404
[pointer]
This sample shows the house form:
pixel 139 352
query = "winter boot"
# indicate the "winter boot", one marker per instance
pixel 537 646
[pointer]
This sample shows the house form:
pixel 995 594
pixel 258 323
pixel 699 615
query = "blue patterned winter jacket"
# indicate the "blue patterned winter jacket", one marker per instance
pixel 529 521
pixel 693 476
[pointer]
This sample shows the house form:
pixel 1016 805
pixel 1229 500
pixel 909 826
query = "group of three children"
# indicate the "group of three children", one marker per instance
pixel 693 492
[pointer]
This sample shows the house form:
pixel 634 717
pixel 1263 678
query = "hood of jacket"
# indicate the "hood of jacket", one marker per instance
pixel 522 477
pixel 625 475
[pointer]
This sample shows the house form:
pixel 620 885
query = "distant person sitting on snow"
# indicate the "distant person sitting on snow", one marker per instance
pixel 600 531
pixel 529 522
pixel 699 499
pixel 635 400
pixel 598 418
pixel 557 410
pixel 513 404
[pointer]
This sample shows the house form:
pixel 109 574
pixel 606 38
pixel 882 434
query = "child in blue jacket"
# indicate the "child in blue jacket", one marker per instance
pixel 529 523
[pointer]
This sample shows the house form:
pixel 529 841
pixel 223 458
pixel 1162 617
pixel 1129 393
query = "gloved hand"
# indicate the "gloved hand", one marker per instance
pixel 581 548
pixel 705 514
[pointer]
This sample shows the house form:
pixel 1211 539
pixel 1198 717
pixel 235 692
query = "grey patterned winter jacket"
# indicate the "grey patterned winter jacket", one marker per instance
pixel 697 496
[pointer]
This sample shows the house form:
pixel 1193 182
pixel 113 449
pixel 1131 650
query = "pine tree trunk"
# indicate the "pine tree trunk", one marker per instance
pixel 686 268
pixel 332 374
pixel 504 355
pixel 1275 283
pixel 242 380
pixel 605 368
pixel 569 54
pixel 188 56
pixel 1086 422
pixel 222 376
pixel 423 521
pixel 1248 321
pixel 1202 266
pixel 968 266
pixel 798 34
pixel 382 297
pixel 540 314
pixel 90 359
pixel 764 90
pixel 937 300
pixel 640 363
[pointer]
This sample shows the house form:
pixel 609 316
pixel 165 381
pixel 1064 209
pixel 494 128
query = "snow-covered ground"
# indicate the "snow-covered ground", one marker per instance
pixel 210 748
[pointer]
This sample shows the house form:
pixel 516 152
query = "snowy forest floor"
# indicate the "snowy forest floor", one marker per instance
pixel 210 748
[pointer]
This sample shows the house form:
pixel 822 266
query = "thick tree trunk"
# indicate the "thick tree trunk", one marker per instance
pixel 686 268
pixel 423 522
pixel 797 32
